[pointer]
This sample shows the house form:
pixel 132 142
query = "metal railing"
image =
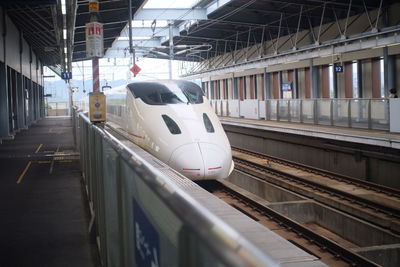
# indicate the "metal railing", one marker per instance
pixel 143 219
pixel 355 113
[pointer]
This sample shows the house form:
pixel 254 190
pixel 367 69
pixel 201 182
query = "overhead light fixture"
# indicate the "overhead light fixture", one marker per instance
pixel 63 8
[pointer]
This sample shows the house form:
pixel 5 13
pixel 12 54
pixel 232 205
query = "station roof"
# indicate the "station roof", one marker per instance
pixel 41 25
pixel 220 26
pixel 209 27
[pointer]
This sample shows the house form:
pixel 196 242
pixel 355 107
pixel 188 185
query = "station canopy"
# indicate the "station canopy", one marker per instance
pixel 211 27
pixel 201 29
pixel 40 23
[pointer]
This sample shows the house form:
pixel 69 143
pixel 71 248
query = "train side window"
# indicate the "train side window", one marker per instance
pixel 208 124
pixel 171 124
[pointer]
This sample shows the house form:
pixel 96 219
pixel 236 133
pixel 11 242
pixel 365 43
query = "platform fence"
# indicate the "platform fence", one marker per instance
pixel 141 218
pixel 370 114
pixel 57 109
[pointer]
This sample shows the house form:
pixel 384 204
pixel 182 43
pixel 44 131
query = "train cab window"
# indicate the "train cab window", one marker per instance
pixel 192 91
pixel 171 124
pixel 207 123
pixel 177 92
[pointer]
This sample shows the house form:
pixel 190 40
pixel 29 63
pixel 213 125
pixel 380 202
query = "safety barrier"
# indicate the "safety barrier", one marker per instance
pixel 355 113
pixel 141 218
pixel 57 109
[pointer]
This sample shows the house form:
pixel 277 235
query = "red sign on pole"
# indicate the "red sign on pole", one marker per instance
pixel 135 70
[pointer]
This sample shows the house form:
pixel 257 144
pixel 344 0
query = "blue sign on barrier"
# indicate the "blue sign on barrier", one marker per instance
pixel 66 75
pixel 147 241
pixel 338 68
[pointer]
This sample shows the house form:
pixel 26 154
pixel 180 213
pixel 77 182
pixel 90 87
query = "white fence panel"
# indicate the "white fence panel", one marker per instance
pixel 233 108
pixel 249 109
pixel 262 110
pixel 224 108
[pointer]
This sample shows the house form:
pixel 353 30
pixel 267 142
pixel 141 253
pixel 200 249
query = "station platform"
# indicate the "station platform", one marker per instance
pixel 353 135
pixel 43 215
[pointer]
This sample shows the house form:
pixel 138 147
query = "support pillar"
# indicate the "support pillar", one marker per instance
pixel 267 84
pixel 96 80
pixel 20 107
pixel 389 63
pixel 171 48
pixel 314 73
pixel 34 102
pixel 360 78
pixel 30 101
pixel 296 84
pixel 4 124
pixel 280 95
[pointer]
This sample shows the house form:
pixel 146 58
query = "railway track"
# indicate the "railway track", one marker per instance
pixel 326 250
pixel 375 203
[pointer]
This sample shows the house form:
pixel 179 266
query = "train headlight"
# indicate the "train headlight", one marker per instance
pixel 171 124
pixel 208 124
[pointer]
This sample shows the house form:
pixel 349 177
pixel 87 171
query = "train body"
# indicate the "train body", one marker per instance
pixel 174 121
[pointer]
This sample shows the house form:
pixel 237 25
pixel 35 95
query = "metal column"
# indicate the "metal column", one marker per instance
pixel 34 102
pixel 267 84
pixel 389 63
pixel 30 101
pixel 314 79
pixel 4 124
pixel 96 74
pixel 20 107
pixel 171 48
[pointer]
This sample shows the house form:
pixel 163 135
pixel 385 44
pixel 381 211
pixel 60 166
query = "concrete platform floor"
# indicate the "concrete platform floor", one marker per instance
pixel 43 217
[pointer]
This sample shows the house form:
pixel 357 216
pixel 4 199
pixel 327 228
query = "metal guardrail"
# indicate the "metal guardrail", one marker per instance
pixel 142 218
pixel 355 113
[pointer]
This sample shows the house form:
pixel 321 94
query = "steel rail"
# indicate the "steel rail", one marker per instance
pixel 340 177
pixel 326 189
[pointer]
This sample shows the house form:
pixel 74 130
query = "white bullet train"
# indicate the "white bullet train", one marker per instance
pixel 174 121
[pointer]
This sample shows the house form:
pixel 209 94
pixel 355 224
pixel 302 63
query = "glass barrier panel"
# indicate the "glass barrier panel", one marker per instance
pixel 147 223
pixel 295 110
pixel 340 112
pixel 110 204
pixel 359 113
pixel 380 114
pixel 308 110
pixel 272 107
pixel 324 111
pixel 283 110
pixel 204 257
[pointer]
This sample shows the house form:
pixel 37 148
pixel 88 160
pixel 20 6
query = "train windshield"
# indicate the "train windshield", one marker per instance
pixel 178 92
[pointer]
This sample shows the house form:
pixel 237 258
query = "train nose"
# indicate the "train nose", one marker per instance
pixel 201 161
pixel 217 162
pixel 188 160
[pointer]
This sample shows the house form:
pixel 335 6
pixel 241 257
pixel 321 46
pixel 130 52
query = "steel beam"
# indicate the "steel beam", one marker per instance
pixel 323 50
pixel 149 32
pixel 148 43
pixel 171 14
